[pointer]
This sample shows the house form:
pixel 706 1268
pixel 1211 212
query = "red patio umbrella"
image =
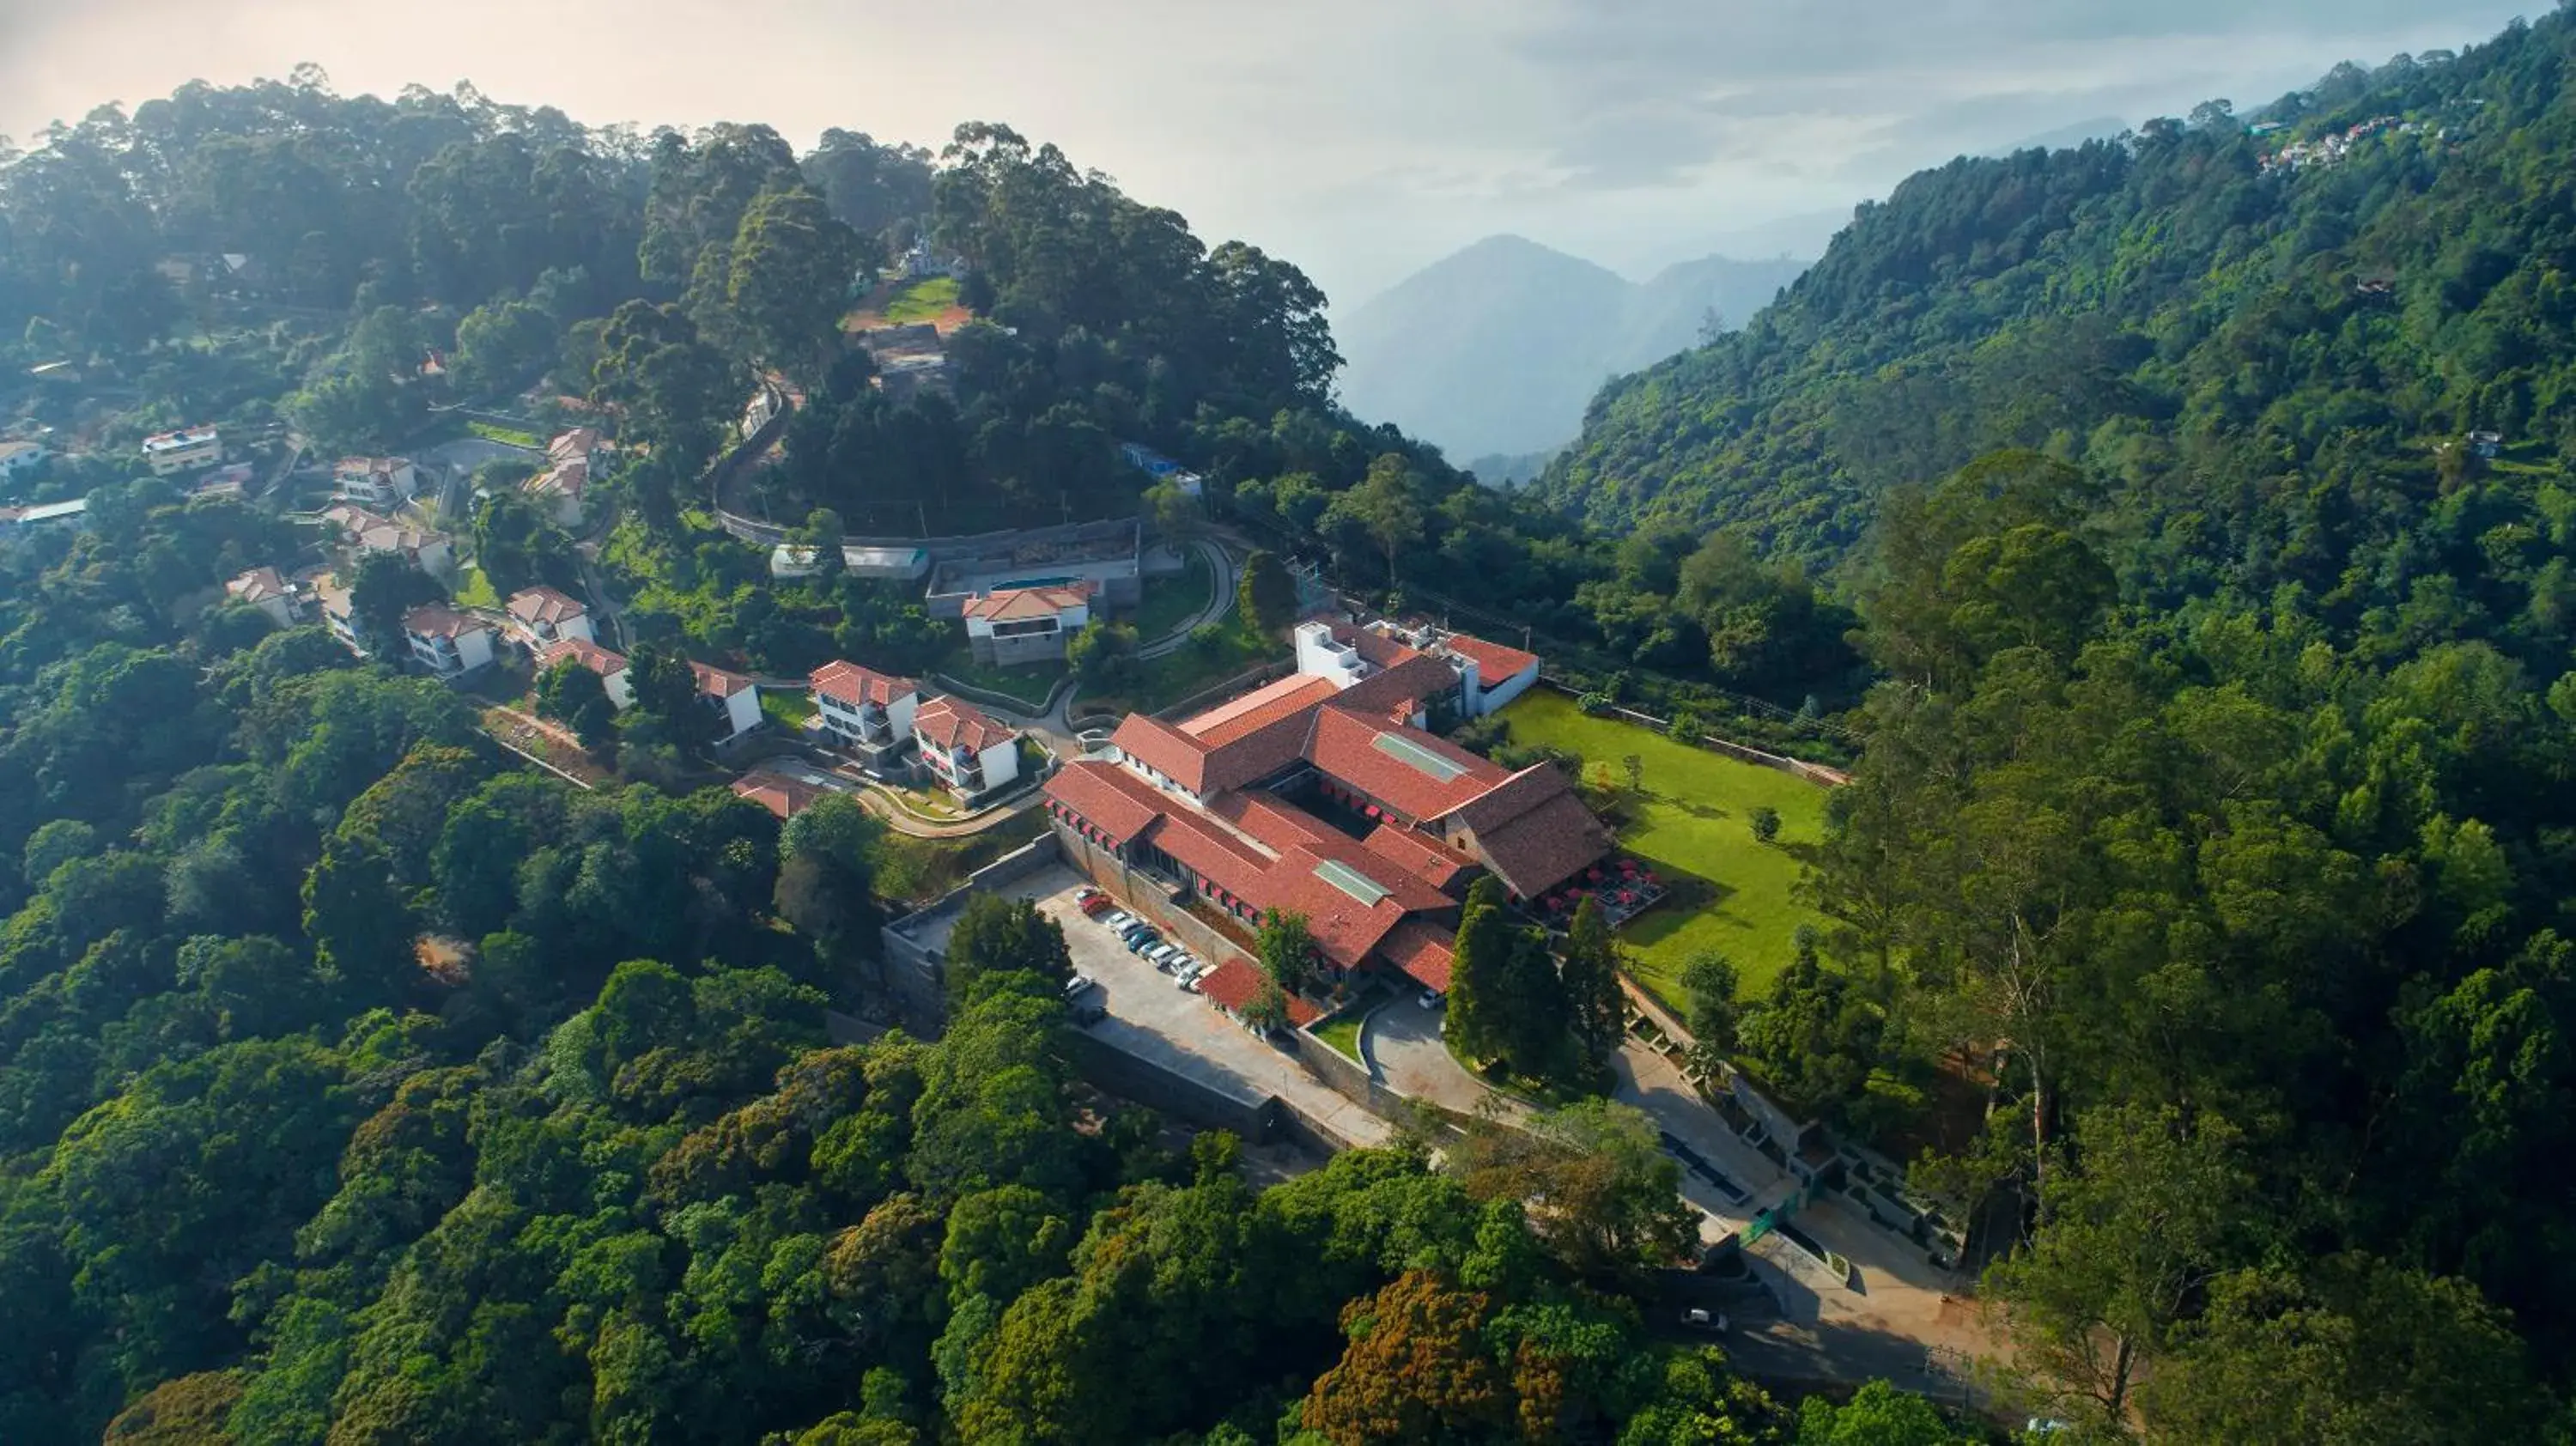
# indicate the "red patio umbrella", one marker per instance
pixel 1594 875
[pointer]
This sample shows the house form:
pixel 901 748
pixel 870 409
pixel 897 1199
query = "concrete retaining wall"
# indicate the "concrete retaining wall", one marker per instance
pixel 1147 1083
pixel 914 974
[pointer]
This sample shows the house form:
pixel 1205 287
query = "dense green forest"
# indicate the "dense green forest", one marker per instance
pixel 2215 796
pixel 357 1085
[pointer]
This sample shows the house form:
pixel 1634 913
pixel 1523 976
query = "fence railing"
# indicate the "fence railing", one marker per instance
pixel 1815 773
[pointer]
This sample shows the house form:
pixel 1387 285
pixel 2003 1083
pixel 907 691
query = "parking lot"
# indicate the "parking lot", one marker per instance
pixel 1152 1017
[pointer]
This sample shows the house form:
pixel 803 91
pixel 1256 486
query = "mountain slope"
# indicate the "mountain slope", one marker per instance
pixel 2181 312
pixel 1498 347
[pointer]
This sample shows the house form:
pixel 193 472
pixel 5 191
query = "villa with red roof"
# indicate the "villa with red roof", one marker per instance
pixel 969 753
pixel 609 665
pixel 1010 626
pixel 731 697
pixel 1323 794
pixel 868 712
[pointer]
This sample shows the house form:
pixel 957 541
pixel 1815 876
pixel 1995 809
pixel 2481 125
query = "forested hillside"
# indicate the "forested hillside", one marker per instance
pixel 2214 798
pixel 2158 308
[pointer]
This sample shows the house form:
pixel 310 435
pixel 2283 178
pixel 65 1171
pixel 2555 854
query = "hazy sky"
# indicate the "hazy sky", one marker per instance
pixel 1359 138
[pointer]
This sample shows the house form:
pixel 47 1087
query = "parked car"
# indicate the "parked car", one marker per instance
pixel 1189 978
pixel 1142 940
pixel 1180 960
pixel 1077 986
pixel 1700 1320
pixel 1095 904
pixel 1119 920
pixel 1160 955
pixel 1430 999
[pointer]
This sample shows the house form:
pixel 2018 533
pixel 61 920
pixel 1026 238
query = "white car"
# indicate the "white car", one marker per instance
pixel 1075 987
pixel 1160 955
pixel 1189 978
pixel 1118 921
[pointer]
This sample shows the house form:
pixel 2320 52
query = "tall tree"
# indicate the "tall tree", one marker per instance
pixel 1477 984
pixel 1595 1006
pixel 1285 944
pixel 1266 593
pixel 794 265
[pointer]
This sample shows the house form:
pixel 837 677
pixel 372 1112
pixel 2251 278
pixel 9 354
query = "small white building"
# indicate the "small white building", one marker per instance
pixel 731 697
pixel 560 489
pixel 541 617
pixel 190 449
pixel 447 642
pixel 337 613
pixel 378 482
pixel 868 712
pixel 1490 674
pixel 1027 624
pixel 363 532
pixel 267 590
pixel 610 666
pixel 17 456
pixel 968 752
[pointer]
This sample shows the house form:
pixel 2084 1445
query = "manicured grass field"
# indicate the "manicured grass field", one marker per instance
pixel 507 436
pixel 925 300
pixel 1735 896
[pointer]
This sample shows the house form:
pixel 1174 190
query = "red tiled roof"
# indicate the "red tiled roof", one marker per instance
pixel 1262 752
pixel 257 585
pixel 1163 748
pixel 1108 796
pixel 544 605
pixel 1240 717
pixel 434 621
pixel 1411 681
pixel 1344 928
pixel 1213 854
pixel 1015 604
pixel 947 723
pixel 1234 984
pixel 1424 954
pixel 575 445
pixel 1495 664
pixel 854 685
pixel 568 478
pixel 1375 647
pixel 1426 858
pixel 1514 796
pixel 1346 747
pixel 1543 847
pixel 590 655
pixel 715 682
pixel 780 794
pixel 1278 824
pixel 1231 985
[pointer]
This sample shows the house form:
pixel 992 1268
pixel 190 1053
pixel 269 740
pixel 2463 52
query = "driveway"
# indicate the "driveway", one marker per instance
pixel 1220 602
pixel 1155 1019
pixel 1404 1049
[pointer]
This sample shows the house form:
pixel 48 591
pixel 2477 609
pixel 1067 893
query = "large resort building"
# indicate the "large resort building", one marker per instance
pixel 1322 794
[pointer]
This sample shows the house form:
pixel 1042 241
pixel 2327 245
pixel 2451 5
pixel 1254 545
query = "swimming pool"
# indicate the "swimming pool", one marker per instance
pixel 1021 582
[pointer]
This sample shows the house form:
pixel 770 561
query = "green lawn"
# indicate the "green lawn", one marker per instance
pixel 1169 604
pixel 506 436
pixel 474 590
pixel 1692 827
pixel 788 710
pixel 1342 1033
pixel 923 300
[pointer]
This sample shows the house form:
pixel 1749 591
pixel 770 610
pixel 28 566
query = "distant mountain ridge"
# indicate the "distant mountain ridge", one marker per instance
pixel 1498 348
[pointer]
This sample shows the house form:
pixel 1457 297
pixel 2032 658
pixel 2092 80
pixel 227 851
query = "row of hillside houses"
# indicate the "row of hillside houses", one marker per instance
pixel 880 718
pixel 730 697
pixel 1323 794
